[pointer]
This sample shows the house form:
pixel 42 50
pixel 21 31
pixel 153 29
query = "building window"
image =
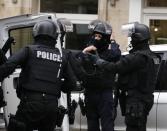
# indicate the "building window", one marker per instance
pixel 156 3
pixel 69 6
pixel 158 31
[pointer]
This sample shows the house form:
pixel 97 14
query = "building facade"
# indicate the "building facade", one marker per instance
pixel 116 12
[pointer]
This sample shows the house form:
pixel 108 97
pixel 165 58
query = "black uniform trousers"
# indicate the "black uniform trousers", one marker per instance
pixel 137 111
pixel 99 105
pixel 37 111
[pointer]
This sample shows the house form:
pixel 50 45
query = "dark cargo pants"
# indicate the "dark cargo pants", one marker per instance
pixel 136 113
pixel 37 111
pixel 99 110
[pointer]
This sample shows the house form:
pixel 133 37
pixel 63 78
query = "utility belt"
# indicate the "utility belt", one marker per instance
pixel 34 95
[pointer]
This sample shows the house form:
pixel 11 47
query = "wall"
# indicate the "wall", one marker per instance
pixel 115 12
pixel 10 8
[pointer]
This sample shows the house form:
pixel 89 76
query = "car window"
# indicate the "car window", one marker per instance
pixel 161 83
pixel 22 37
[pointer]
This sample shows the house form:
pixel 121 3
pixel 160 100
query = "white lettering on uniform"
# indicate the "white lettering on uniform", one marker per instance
pixel 38 53
pixel 48 56
pixel 51 56
pixel 59 58
pixel 43 55
pixel 54 57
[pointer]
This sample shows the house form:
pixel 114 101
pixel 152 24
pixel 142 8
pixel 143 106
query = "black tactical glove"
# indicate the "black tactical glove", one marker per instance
pixel 96 60
pixel 100 63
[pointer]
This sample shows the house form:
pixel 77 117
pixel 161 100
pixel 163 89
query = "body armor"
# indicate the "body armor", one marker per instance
pixel 42 71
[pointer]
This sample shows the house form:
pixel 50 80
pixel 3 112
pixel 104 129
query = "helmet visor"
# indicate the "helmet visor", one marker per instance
pixel 67 24
pixel 128 29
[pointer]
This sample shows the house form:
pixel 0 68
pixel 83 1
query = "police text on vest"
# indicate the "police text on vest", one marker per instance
pixel 48 56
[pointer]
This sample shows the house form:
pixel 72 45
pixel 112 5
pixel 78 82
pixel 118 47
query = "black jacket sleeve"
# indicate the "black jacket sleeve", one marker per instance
pixel 114 53
pixel 2 57
pixel 2 60
pixel 69 82
pixel 75 60
pixel 126 64
pixel 17 59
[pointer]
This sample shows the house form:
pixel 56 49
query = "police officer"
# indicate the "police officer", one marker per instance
pixel 98 84
pixel 137 76
pixel 43 67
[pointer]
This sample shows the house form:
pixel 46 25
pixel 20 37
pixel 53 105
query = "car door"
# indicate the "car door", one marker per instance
pixel 161 90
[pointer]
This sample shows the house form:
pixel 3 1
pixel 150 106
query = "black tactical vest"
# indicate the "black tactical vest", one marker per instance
pixel 147 76
pixel 42 70
pixel 141 82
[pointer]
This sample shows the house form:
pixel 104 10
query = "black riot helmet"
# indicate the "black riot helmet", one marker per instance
pixel 46 28
pixel 100 27
pixel 139 33
pixel 103 28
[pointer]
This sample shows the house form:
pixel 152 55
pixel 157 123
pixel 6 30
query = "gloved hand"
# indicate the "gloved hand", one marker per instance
pixel 89 49
pixel 100 63
pixel 93 57
pixel 96 60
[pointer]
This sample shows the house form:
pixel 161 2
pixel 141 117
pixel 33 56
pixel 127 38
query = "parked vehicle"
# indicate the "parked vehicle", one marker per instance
pixel 20 28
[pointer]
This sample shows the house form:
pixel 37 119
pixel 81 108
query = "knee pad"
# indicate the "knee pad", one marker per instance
pixel 15 125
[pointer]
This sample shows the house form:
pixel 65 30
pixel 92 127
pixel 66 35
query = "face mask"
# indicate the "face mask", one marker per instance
pixel 99 44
